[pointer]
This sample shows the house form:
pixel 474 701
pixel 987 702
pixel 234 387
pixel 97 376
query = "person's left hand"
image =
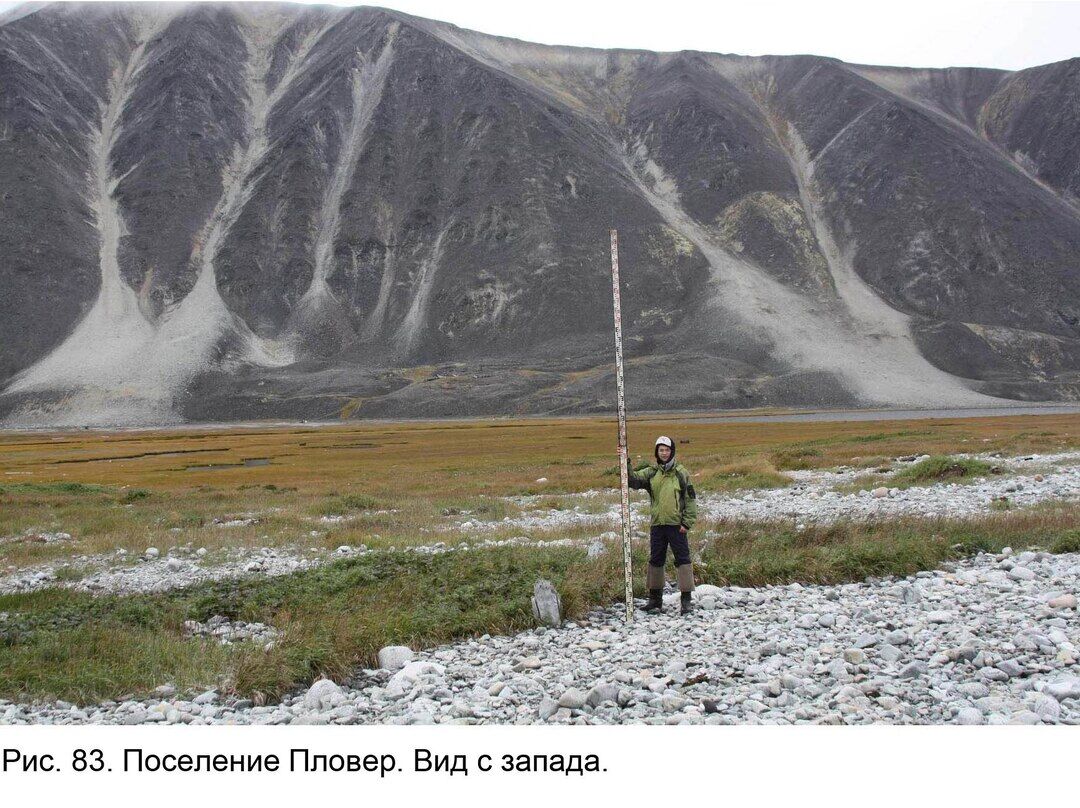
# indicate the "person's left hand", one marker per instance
pixel 682 528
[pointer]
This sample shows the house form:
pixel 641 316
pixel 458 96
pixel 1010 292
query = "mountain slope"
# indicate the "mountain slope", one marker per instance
pixel 237 211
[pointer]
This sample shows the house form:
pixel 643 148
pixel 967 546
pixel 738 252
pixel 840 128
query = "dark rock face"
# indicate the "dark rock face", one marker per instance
pixel 48 111
pixel 1032 114
pixel 174 146
pixel 215 212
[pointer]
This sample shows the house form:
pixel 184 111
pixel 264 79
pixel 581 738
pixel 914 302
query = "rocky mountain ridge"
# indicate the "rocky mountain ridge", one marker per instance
pixel 217 212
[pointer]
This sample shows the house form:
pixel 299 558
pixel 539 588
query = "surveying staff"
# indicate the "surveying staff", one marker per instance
pixel 673 508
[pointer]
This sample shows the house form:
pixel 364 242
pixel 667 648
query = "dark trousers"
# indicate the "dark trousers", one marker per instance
pixel 662 536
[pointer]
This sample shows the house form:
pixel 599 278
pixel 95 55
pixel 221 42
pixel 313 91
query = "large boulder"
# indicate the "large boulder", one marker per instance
pixel 604 691
pixel 1066 688
pixel 707 590
pixel 324 695
pixel 402 681
pixel 572 699
pixel 546 603
pixel 395 657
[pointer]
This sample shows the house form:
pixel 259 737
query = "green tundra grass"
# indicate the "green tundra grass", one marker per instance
pixel 402 484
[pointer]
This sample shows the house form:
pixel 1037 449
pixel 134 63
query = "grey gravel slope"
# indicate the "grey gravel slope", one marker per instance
pixel 990 640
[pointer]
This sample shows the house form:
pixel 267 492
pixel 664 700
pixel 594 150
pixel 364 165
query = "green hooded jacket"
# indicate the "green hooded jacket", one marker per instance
pixel 673 500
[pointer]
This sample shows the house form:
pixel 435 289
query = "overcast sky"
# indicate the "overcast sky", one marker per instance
pixel 1009 35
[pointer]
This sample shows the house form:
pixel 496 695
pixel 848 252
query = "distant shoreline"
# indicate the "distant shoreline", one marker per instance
pixel 771 415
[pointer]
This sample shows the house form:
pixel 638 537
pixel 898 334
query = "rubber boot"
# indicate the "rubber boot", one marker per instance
pixel 656 601
pixel 685 575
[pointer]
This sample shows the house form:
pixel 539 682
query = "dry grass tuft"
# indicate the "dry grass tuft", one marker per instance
pixel 754 472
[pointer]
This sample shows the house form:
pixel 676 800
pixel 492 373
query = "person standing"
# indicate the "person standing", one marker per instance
pixel 673 511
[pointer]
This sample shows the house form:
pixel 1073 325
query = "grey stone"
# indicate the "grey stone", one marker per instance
pixel 323 695
pixel 1026 717
pixel 837 669
pixel 866 641
pixel 528 664
pixel 1065 688
pixel 974 690
pixel 969 716
pixel 913 670
pixel 605 691
pixel 1010 667
pixel 1067 601
pixel 1046 707
pixel 548 708
pixel 790 682
pixel 890 653
pixel 395 657
pixel 672 704
pixel 572 699
pixel 546 603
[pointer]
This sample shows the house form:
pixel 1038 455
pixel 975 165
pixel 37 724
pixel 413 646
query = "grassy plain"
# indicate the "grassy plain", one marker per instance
pixel 412 483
